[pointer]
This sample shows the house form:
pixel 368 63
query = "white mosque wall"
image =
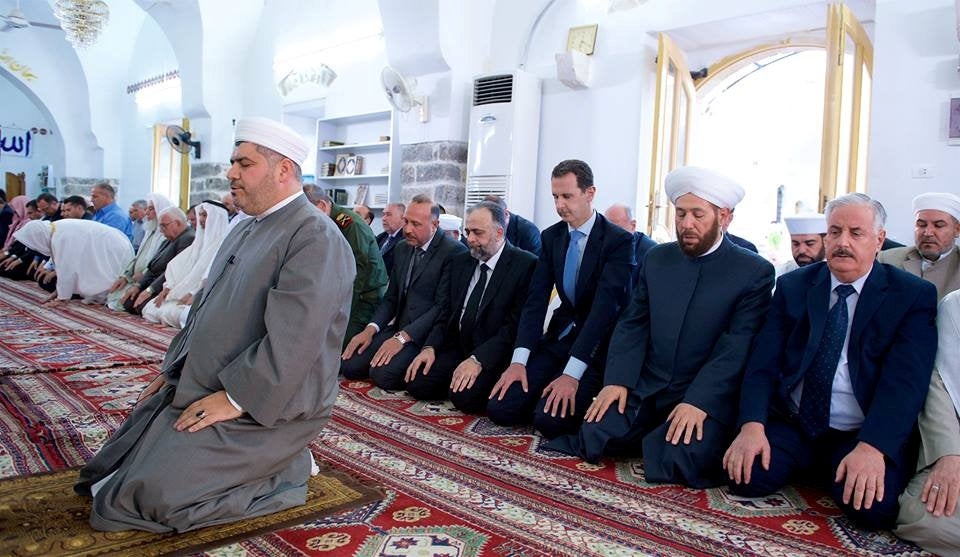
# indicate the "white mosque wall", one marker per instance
pixel 608 125
pixel 60 85
pixel 916 70
pixel 151 55
pixel 18 112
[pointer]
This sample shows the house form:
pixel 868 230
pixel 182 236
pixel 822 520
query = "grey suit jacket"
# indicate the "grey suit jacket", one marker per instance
pixel 154 275
pixel 944 274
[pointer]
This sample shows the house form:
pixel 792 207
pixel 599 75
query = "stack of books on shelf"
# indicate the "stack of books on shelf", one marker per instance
pixel 327 169
pixel 331 143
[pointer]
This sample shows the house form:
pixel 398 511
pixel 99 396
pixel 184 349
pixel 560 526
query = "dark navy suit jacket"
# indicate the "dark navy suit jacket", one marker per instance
pixel 382 238
pixel 601 291
pixel 893 341
pixel 641 243
pixel 523 234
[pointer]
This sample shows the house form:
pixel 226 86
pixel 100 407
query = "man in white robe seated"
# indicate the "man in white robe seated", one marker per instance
pixel 185 273
pixel 222 433
pixel 152 240
pixel 86 255
pixel 928 507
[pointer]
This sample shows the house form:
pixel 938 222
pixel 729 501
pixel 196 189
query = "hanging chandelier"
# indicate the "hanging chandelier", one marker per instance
pixel 81 20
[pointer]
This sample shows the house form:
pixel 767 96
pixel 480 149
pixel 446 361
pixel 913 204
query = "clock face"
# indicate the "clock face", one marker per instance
pixel 582 38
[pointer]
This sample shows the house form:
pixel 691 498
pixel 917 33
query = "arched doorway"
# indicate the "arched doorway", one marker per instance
pixel 762 124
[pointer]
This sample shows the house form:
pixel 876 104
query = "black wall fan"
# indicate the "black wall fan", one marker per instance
pixel 179 139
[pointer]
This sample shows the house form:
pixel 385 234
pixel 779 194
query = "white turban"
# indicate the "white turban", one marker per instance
pixel 450 222
pixel 273 135
pixel 946 202
pixel 705 184
pixel 813 223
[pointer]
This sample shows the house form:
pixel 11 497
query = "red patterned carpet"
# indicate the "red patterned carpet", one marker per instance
pixel 456 485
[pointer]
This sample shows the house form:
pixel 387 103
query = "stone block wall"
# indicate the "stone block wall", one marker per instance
pixel 82 186
pixel 208 180
pixel 438 169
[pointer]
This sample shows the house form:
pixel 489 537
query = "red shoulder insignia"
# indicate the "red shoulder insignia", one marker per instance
pixel 343 220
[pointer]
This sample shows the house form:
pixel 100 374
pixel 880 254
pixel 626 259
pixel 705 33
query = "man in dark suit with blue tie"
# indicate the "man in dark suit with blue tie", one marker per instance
pixel 392 233
pixel 480 299
pixel 553 376
pixel 386 346
pixel 676 359
pixel 520 232
pixel 839 373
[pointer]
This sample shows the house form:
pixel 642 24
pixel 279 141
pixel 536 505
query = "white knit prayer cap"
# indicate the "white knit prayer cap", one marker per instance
pixel 946 202
pixel 273 135
pixel 812 223
pixel 450 222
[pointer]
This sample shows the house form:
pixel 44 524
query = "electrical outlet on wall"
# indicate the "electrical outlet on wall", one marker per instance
pixel 921 171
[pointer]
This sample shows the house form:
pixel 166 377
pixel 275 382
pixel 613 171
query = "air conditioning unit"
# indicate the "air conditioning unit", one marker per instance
pixel 504 140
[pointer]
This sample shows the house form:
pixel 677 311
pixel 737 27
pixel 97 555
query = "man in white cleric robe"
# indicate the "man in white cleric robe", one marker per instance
pixel 806 241
pixel 250 381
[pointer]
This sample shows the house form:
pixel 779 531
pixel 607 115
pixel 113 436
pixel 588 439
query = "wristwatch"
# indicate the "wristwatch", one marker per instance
pixel 399 338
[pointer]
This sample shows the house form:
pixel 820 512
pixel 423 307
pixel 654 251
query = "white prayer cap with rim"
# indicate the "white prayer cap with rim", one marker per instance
pixel 273 135
pixel 946 202
pixel 450 222
pixel 705 184
pixel 812 223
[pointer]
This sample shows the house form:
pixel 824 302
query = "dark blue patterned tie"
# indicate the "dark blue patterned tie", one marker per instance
pixel 818 381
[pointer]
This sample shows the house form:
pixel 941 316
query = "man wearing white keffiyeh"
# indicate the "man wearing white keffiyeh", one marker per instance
pixel 186 272
pixel 928 507
pixel 151 242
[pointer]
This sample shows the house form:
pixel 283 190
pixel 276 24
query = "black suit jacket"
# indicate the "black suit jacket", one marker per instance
pixel 893 341
pixel 641 243
pixel 383 238
pixel 602 289
pixel 742 242
pixel 414 309
pixel 523 234
pixel 499 313
pixel 153 276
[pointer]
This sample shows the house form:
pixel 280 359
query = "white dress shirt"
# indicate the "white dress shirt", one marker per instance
pixel 845 411
pixel 490 263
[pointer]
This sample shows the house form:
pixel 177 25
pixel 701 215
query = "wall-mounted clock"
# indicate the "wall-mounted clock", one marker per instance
pixel 582 38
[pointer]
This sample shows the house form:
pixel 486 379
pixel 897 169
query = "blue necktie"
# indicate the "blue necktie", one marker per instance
pixel 570 265
pixel 818 380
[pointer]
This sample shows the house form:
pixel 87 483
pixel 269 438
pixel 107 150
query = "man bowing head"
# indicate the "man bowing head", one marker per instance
pixel 838 373
pixel 252 377
pixel 677 354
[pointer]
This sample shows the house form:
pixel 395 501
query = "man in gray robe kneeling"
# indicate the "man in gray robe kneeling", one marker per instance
pixel 222 434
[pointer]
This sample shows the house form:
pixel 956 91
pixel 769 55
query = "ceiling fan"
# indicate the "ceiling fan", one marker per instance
pixel 16 20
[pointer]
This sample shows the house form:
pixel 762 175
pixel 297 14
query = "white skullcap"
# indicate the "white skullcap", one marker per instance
pixel 812 223
pixel 450 222
pixel 273 135
pixel 946 202
pixel 705 184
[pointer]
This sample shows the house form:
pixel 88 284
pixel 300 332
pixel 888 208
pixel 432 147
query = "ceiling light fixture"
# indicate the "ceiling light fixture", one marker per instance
pixel 82 20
